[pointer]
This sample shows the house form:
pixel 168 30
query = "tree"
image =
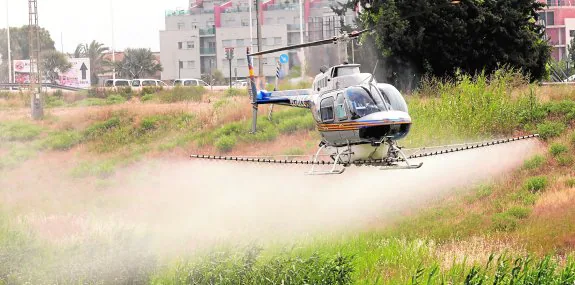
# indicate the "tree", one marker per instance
pixel 95 51
pixel 138 63
pixel 441 38
pixel 53 62
pixel 19 46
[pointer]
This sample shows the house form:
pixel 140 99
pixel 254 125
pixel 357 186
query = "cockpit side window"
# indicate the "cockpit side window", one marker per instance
pixel 326 110
pixel 361 103
pixel 340 112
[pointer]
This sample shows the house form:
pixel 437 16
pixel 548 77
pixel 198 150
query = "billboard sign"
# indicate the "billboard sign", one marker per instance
pixel 78 76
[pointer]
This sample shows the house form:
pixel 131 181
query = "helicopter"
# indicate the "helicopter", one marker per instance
pixel 360 120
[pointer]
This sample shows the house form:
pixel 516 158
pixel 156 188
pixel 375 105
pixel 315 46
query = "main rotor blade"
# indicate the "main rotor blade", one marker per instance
pixel 310 44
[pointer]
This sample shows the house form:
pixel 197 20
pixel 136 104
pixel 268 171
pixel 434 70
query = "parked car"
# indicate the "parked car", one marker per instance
pixel 148 83
pixel 190 82
pixel 240 83
pixel 117 83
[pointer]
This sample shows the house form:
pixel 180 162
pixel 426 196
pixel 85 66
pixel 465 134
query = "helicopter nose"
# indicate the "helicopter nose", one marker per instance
pixel 387 117
pixel 379 125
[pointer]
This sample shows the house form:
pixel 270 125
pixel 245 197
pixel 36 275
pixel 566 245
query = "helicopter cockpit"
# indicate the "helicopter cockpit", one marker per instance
pixel 362 101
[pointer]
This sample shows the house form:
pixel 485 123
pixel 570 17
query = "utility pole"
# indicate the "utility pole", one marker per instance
pixel 259 35
pixel 8 38
pixel 301 3
pixel 113 47
pixel 229 57
pixel 35 63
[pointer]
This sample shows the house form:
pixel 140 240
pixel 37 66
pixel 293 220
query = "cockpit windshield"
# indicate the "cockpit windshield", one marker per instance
pixel 362 102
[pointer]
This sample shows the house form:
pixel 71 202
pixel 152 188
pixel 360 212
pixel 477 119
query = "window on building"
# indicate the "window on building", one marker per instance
pixel 190 45
pixel 264 41
pixel 180 45
pixel 277 41
pixel 190 64
pixel 241 62
pixel 181 25
pixel 548 18
pixel 268 20
pixel 240 42
pixel 194 25
pixel 572 33
pixel 327 110
pixel 227 43
pixel 180 64
pixel 265 60
pixel 245 22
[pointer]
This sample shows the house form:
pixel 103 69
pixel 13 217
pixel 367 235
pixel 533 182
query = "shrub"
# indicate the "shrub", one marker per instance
pixel 53 102
pixel 62 140
pixel 231 92
pixel 570 182
pixel 101 127
pixel 572 139
pixel 564 160
pixel 534 162
pixel 557 149
pixel 294 151
pixel 525 198
pixel 226 143
pixel 18 131
pixel 518 212
pixel 149 123
pixel 535 184
pixel 150 90
pixel 91 102
pixel 550 129
pixel 115 99
pixel 148 97
pixel 504 222
pixel 179 94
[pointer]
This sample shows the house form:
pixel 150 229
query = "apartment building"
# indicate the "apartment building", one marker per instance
pixel 195 38
pixel 558 18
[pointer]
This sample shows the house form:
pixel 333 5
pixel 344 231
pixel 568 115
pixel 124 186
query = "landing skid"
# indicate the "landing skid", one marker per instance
pixel 334 169
pixel 396 155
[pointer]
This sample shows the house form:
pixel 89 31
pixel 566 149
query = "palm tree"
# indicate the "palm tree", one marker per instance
pixel 95 51
pixel 138 63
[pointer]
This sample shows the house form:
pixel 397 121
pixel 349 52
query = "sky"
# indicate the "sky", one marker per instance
pixel 136 22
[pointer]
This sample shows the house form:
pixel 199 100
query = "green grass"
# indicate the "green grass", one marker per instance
pixel 536 184
pixel 19 131
pixel 534 163
pixel 16 155
pixel 549 130
pixel 101 169
pixel 556 149
pixel 284 122
pixel 179 94
pixel 62 140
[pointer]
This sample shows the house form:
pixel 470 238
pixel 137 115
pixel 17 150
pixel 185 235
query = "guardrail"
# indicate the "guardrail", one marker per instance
pixel 48 85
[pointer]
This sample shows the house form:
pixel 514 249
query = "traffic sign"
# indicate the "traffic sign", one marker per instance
pixel 284 58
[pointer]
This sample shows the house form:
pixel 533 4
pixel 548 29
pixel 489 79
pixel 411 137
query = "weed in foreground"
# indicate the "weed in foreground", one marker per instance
pixel 534 162
pixel 62 140
pixel 556 149
pixel 536 184
pixel 19 131
pixel 504 270
pixel 550 129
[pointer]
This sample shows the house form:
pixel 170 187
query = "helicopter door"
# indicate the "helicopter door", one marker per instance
pixel 327 118
pixel 342 116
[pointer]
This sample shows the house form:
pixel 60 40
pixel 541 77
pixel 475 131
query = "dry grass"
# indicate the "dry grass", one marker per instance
pixel 475 250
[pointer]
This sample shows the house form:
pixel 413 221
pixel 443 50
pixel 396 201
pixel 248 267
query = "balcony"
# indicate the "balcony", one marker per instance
pixel 276 7
pixel 187 12
pixel 293 27
pixel 208 32
pixel 208 51
pixel 559 3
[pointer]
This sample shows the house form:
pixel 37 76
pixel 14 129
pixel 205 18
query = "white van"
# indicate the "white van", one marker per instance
pixel 190 82
pixel 117 83
pixel 148 83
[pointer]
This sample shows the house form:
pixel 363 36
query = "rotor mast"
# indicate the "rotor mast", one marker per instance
pixel 35 63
